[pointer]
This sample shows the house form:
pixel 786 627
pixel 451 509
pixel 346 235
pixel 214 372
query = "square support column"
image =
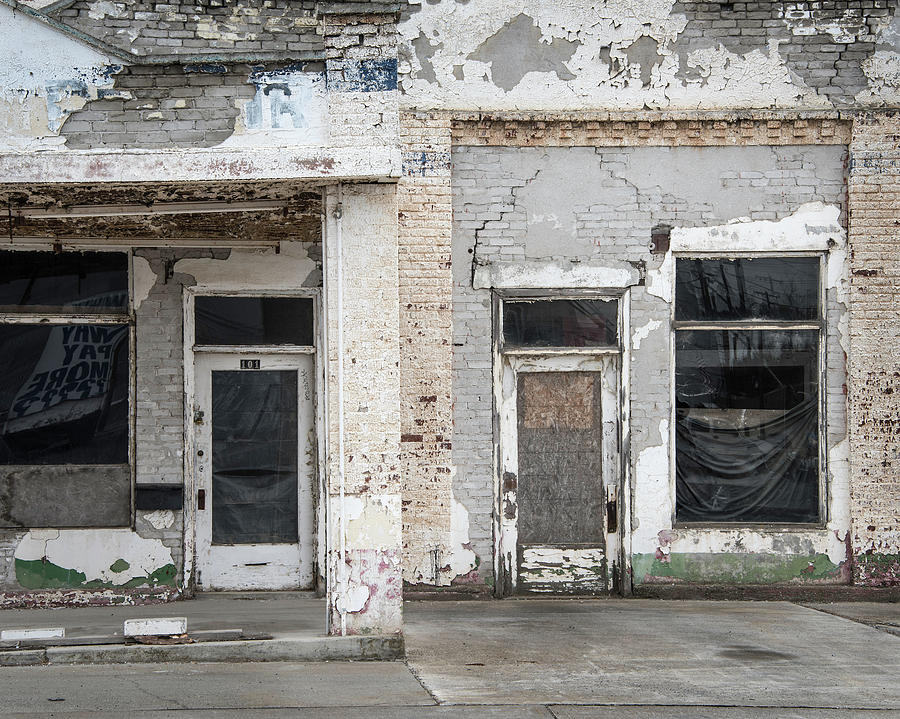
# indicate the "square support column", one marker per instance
pixel 364 537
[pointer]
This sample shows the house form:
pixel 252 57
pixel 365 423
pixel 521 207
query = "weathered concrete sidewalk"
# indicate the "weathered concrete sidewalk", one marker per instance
pixel 222 627
pixel 574 659
pixel 652 652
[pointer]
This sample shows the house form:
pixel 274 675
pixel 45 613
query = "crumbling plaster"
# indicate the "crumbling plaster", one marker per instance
pixel 616 55
pixel 44 77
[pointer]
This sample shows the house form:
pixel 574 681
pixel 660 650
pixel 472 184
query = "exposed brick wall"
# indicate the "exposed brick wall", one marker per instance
pixel 874 381
pixel 533 129
pixel 287 28
pixel 425 346
pixel 162 107
pixel 361 76
pixel 824 43
pixel 159 413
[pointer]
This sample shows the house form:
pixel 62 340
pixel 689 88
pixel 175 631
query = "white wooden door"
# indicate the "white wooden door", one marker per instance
pixel 255 465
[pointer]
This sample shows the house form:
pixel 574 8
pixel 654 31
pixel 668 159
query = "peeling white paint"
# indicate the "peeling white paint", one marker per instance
pixel 653 502
pixel 549 569
pixel 353 598
pixel 882 70
pixel 143 280
pixel 160 519
pixel 462 558
pixel 371 520
pixel 553 275
pixel 253 268
pixel 44 77
pixel 641 333
pixel 661 280
pixel 94 551
pixel 813 226
pixel 445 66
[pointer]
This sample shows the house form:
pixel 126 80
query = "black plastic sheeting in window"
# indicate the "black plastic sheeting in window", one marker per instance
pixel 254 457
pixel 254 321
pixel 766 288
pixel 63 394
pixel 747 440
pixel 560 323
pixel 82 281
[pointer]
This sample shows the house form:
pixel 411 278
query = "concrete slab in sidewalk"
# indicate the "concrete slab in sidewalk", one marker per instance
pixel 649 652
pixel 123 690
pixel 876 614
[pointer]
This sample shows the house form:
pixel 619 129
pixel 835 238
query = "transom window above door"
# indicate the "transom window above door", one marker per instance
pixel 242 321
pixel 541 324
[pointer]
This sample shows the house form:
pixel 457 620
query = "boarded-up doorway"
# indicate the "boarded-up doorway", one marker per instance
pixel 559 469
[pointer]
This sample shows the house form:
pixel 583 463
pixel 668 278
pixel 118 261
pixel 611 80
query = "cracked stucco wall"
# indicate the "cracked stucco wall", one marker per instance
pixel 515 207
pixel 628 55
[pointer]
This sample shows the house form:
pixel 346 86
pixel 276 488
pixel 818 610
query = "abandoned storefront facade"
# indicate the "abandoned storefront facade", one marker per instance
pixel 467 296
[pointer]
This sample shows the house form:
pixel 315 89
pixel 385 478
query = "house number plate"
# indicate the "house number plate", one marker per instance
pixel 249 364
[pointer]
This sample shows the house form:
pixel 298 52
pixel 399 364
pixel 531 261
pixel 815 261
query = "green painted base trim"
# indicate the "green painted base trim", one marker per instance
pixel 734 568
pixel 38 574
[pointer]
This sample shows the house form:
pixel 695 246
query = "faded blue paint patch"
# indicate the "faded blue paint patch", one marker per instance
pixel 207 67
pixel 426 163
pixel 366 76
pixel 56 94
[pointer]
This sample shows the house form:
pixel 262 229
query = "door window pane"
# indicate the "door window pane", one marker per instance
pixel 254 321
pixel 560 323
pixel 254 457
pixel 82 281
pixel 747 442
pixel 63 394
pixel 765 288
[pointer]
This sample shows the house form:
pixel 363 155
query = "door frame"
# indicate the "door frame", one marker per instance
pixel 190 450
pixel 616 465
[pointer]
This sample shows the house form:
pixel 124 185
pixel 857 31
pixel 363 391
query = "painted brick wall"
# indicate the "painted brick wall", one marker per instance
pixel 874 362
pixel 159 415
pixel 365 531
pixel 361 76
pixel 193 28
pixel 425 347
pixel 604 203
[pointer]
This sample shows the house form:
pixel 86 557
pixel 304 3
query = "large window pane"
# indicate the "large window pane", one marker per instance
pixel 82 281
pixel 747 426
pixel 560 323
pixel 767 288
pixel 63 394
pixel 254 321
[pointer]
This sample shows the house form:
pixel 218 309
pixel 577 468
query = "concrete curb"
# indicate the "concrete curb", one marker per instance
pixel 299 649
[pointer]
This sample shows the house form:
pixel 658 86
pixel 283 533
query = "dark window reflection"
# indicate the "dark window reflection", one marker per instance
pixel 86 281
pixel 254 321
pixel 63 394
pixel 254 457
pixel 747 442
pixel 771 288
pixel 560 323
